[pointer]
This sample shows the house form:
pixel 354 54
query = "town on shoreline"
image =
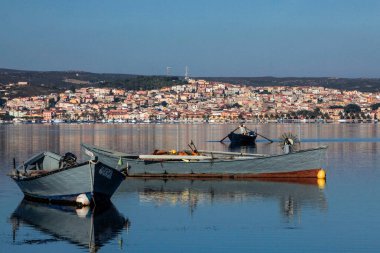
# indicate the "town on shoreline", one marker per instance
pixel 195 102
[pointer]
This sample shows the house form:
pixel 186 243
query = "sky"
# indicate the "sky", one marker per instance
pixel 240 38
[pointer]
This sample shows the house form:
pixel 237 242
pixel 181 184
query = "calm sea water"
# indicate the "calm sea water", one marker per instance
pixel 201 216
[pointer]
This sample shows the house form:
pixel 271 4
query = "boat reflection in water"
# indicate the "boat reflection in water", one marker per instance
pixel 86 227
pixel 233 147
pixel 292 194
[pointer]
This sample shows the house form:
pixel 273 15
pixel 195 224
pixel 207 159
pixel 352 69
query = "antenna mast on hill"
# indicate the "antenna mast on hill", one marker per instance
pixel 168 71
pixel 187 73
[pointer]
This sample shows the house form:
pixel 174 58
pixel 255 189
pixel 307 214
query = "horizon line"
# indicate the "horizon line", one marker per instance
pixel 192 77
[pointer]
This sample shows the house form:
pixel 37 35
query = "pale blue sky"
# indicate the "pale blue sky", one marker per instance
pixel 339 38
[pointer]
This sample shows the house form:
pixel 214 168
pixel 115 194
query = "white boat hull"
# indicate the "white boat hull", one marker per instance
pixel 304 163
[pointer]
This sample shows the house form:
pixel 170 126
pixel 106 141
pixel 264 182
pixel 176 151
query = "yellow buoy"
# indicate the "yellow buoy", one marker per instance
pixel 321 174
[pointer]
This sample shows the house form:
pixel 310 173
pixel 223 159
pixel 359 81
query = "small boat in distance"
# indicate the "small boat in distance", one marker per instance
pixel 246 137
pixel 59 179
pixel 306 163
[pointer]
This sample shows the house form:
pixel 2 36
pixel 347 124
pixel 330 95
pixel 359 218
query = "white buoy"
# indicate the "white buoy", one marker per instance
pixel 83 200
pixel 83 211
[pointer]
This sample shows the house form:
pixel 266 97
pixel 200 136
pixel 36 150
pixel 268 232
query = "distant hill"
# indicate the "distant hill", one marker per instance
pixel 46 82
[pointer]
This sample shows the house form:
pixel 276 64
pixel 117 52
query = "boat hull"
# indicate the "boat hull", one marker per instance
pixel 97 181
pixel 313 173
pixel 300 164
pixel 241 139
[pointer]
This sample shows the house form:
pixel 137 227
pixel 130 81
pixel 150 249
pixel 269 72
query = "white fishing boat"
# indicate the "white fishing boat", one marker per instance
pixel 306 163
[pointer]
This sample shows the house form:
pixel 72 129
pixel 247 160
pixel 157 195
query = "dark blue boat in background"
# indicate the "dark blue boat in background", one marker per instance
pixel 248 139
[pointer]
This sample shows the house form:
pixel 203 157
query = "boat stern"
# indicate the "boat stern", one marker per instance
pixel 106 180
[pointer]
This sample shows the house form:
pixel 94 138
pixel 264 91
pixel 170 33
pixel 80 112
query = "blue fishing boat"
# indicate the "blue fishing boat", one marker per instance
pixel 60 179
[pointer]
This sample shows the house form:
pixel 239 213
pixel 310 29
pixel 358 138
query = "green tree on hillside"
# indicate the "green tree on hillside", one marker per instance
pixel 2 102
pixel 375 106
pixel 352 108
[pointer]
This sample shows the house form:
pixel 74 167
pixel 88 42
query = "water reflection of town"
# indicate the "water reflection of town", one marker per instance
pixel 88 228
pixel 292 196
pixel 139 138
pixel 21 141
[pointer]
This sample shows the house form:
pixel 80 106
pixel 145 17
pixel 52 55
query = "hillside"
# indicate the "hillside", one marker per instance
pixel 46 82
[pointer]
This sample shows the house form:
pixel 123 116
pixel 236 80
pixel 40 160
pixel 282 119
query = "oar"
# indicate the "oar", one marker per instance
pixel 228 134
pixel 271 141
